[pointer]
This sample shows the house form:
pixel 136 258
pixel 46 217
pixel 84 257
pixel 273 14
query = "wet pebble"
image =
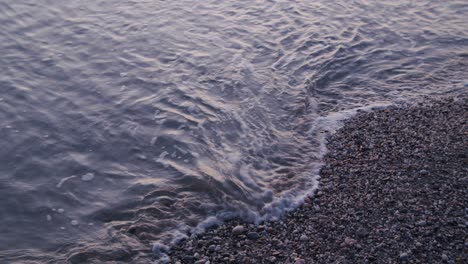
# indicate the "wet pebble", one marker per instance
pixel 238 230
pixel 253 235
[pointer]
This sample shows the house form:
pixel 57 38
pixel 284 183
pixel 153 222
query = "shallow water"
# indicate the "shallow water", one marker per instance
pixel 128 123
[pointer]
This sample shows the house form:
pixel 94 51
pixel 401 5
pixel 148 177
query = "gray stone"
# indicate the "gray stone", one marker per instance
pixel 253 235
pixel 238 230
pixel 212 248
pixel 445 257
pixel 362 232
pixel 299 261
pixel 348 242
pixel 404 256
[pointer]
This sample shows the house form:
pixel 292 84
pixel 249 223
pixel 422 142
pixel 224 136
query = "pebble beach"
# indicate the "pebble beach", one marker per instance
pixel 394 189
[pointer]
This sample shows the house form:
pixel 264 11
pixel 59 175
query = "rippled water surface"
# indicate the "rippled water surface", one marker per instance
pixel 128 123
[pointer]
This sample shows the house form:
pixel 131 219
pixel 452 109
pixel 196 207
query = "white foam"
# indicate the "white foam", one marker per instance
pixel 160 122
pixel 62 181
pixel 183 151
pixel 87 177
pixel 159 249
pixel 208 222
pixel 163 154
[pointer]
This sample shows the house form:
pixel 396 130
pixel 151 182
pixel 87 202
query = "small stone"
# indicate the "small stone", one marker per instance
pixel 362 232
pixel 348 242
pixel 423 172
pixel 253 235
pixel 238 230
pixel 404 256
pixel 275 241
pixel 196 255
pixel 304 238
pixel 421 223
pixel 188 258
pixel 299 261
pixel 445 257
pixel 74 222
pixel 212 248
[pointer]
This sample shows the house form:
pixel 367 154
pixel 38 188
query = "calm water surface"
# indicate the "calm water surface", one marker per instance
pixel 129 123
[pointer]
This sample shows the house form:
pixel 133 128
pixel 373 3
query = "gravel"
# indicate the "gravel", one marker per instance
pixel 393 190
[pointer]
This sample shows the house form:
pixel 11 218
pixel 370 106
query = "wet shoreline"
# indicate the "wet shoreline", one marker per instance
pixel 393 190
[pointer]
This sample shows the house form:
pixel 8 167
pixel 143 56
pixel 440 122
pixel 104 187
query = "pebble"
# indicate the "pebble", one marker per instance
pixel 300 261
pixel 212 248
pixel 253 235
pixel 362 232
pixel 421 223
pixel 238 230
pixel 304 238
pixel 404 256
pixel 445 257
pixel 348 242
